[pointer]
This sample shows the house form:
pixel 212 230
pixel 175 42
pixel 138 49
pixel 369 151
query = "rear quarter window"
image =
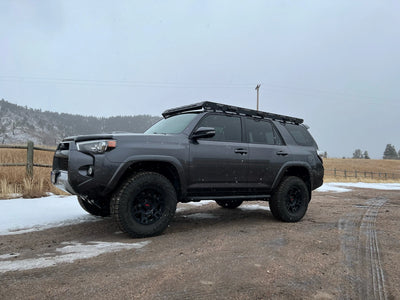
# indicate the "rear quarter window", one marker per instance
pixel 301 135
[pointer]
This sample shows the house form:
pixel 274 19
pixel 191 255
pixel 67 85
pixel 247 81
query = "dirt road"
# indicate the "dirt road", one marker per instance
pixel 346 247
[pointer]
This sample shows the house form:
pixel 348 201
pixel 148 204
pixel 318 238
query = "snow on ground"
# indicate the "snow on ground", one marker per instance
pixel 254 207
pixel 26 215
pixel 70 252
pixel 346 186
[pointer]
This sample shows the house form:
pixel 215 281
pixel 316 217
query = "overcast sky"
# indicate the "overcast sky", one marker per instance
pixel 334 63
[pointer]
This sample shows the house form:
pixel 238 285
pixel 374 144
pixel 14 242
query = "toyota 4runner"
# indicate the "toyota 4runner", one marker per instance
pixel 200 151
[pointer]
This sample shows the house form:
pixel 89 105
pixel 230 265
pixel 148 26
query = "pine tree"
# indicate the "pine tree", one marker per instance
pixel 366 156
pixel 357 154
pixel 390 152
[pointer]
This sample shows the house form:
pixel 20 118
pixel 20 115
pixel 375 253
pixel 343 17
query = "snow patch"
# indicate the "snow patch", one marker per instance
pixel 27 215
pixel 328 187
pixel 184 206
pixel 254 207
pixel 71 252
pixel 8 256
pixel 346 186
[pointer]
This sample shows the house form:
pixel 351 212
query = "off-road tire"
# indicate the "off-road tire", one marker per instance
pixel 289 203
pixel 95 209
pixel 230 203
pixel 144 205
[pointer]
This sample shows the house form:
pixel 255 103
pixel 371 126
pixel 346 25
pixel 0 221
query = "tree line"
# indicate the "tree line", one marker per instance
pixel 389 153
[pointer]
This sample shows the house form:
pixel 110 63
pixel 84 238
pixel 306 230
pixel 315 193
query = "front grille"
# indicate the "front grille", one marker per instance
pixel 60 161
pixel 63 164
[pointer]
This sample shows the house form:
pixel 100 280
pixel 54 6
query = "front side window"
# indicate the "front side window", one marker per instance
pixel 172 125
pixel 227 128
pixel 262 132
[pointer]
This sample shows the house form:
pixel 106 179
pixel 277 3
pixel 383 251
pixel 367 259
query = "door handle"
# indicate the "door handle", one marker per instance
pixel 241 151
pixel 282 153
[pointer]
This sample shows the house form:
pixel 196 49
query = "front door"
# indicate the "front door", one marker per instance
pixel 219 164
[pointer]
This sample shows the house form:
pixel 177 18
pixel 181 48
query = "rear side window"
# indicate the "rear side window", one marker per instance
pixel 227 128
pixel 262 132
pixel 301 135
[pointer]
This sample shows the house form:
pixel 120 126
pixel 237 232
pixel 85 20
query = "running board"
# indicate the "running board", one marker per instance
pixel 248 197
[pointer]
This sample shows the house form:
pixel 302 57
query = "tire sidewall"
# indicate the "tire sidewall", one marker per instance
pixel 279 201
pixel 131 190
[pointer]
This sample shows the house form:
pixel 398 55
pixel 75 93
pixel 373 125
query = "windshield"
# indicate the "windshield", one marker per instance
pixel 172 125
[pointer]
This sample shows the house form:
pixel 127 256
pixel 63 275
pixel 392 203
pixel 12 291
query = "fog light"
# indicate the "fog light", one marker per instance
pixel 90 171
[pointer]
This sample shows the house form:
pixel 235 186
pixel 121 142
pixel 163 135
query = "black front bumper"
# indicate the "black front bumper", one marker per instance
pixel 60 180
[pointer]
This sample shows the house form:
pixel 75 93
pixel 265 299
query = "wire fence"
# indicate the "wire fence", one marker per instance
pixel 361 174
pixel 30 148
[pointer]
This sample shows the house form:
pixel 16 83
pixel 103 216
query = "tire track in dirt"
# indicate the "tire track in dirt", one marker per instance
pixel 360 247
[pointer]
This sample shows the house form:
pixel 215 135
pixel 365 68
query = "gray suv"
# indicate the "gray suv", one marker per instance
pixel 201 151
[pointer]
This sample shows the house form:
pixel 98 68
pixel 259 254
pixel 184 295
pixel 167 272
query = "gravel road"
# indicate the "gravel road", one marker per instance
pixel 346 247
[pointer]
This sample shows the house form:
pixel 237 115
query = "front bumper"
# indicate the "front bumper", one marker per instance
pixel 60 180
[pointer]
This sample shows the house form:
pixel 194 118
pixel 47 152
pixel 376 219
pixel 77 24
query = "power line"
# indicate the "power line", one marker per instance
pixel 123 82
pixel 283 89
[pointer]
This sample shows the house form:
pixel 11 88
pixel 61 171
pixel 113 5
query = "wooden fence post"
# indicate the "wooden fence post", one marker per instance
pixel 29 160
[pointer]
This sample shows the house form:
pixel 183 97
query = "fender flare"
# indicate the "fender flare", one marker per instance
pixel 127 163
pixel 286 166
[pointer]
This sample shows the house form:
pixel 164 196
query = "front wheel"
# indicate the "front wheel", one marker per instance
pixel 289 203
pixel 144 204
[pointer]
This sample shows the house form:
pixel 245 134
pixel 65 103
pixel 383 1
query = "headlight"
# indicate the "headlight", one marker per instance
pixel 96 147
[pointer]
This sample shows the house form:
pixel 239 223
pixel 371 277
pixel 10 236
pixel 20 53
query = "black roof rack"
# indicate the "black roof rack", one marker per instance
pixel 212 106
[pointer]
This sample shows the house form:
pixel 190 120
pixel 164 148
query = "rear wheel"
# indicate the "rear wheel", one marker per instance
pixel 95 208
pixel 231 203
pixel 290 201
pixel 144 205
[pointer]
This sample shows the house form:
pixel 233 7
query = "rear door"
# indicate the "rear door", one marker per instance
pixel 219 162
pixel 267 152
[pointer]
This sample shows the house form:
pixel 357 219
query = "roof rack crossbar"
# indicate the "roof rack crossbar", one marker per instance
pixel 213 106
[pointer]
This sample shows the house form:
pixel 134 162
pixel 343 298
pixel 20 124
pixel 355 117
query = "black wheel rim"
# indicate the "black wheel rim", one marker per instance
pixel 148 207
pixel 294 199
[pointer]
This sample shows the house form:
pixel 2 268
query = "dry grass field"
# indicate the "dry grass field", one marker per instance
pixel 383 170
pixel 13 180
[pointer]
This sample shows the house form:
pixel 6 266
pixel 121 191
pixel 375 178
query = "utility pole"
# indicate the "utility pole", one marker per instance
pixel 258 93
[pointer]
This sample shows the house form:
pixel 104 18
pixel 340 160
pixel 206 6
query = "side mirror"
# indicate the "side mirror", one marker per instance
pixel 203 132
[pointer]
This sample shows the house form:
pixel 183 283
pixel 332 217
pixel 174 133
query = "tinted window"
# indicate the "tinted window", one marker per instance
pixel 300 135
pixel 227 128
pixel 174 124
pixel 262 132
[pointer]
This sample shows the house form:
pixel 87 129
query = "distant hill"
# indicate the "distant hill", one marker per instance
pixel 19 124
